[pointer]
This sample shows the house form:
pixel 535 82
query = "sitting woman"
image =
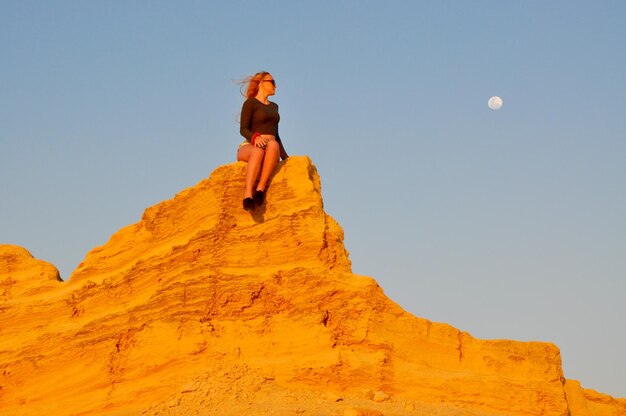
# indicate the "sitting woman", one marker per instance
pixel 262 147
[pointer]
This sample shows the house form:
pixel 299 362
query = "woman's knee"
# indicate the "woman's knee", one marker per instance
pixel 250 152
pixel 254 151
pixel 257 153
pixel 272 146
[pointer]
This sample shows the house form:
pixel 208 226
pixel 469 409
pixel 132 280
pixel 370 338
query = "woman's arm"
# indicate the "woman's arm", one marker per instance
pixel 245 120
pixel 283 152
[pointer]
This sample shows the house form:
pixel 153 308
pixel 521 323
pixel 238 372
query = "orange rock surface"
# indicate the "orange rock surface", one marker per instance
pixel 202 308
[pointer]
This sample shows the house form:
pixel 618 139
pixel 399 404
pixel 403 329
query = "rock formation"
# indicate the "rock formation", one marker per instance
pixel 202 308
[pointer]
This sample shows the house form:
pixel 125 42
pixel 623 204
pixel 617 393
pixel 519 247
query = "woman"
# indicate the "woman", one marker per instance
pixel 262 147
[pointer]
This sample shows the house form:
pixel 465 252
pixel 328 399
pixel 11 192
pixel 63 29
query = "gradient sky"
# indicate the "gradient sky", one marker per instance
pixel 506 224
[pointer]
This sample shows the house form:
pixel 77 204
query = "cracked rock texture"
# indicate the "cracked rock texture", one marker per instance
pixel 202 308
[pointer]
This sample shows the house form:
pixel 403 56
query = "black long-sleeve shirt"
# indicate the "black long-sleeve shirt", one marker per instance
pixel 257 117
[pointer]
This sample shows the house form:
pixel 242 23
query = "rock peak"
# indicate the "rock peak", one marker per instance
pixel 207 220
pixel 201 308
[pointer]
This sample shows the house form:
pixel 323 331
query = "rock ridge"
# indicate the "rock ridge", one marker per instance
pixel 201 308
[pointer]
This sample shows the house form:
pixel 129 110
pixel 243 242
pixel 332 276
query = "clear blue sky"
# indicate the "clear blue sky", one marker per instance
pixel 505 224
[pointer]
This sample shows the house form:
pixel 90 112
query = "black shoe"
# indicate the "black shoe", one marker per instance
pixel 248 204
pixel 259 198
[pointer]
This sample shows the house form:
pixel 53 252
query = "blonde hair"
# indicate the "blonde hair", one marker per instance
pixel 251 84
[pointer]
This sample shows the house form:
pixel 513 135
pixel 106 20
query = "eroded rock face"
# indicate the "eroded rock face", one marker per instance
pixel 22 275
pixel 202 309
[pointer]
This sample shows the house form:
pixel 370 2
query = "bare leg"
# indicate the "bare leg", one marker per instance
pixel 272 153
pixel 254 156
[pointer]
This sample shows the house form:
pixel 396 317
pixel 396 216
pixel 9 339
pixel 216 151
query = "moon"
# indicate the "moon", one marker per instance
pixel 495 102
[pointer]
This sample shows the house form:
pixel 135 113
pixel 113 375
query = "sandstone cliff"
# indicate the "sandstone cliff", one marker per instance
pixel 204 309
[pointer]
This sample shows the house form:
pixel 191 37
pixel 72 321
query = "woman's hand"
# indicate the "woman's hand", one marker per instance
pixel 262 140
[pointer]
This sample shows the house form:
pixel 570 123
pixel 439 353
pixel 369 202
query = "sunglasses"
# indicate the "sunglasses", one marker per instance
pixel 269 80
